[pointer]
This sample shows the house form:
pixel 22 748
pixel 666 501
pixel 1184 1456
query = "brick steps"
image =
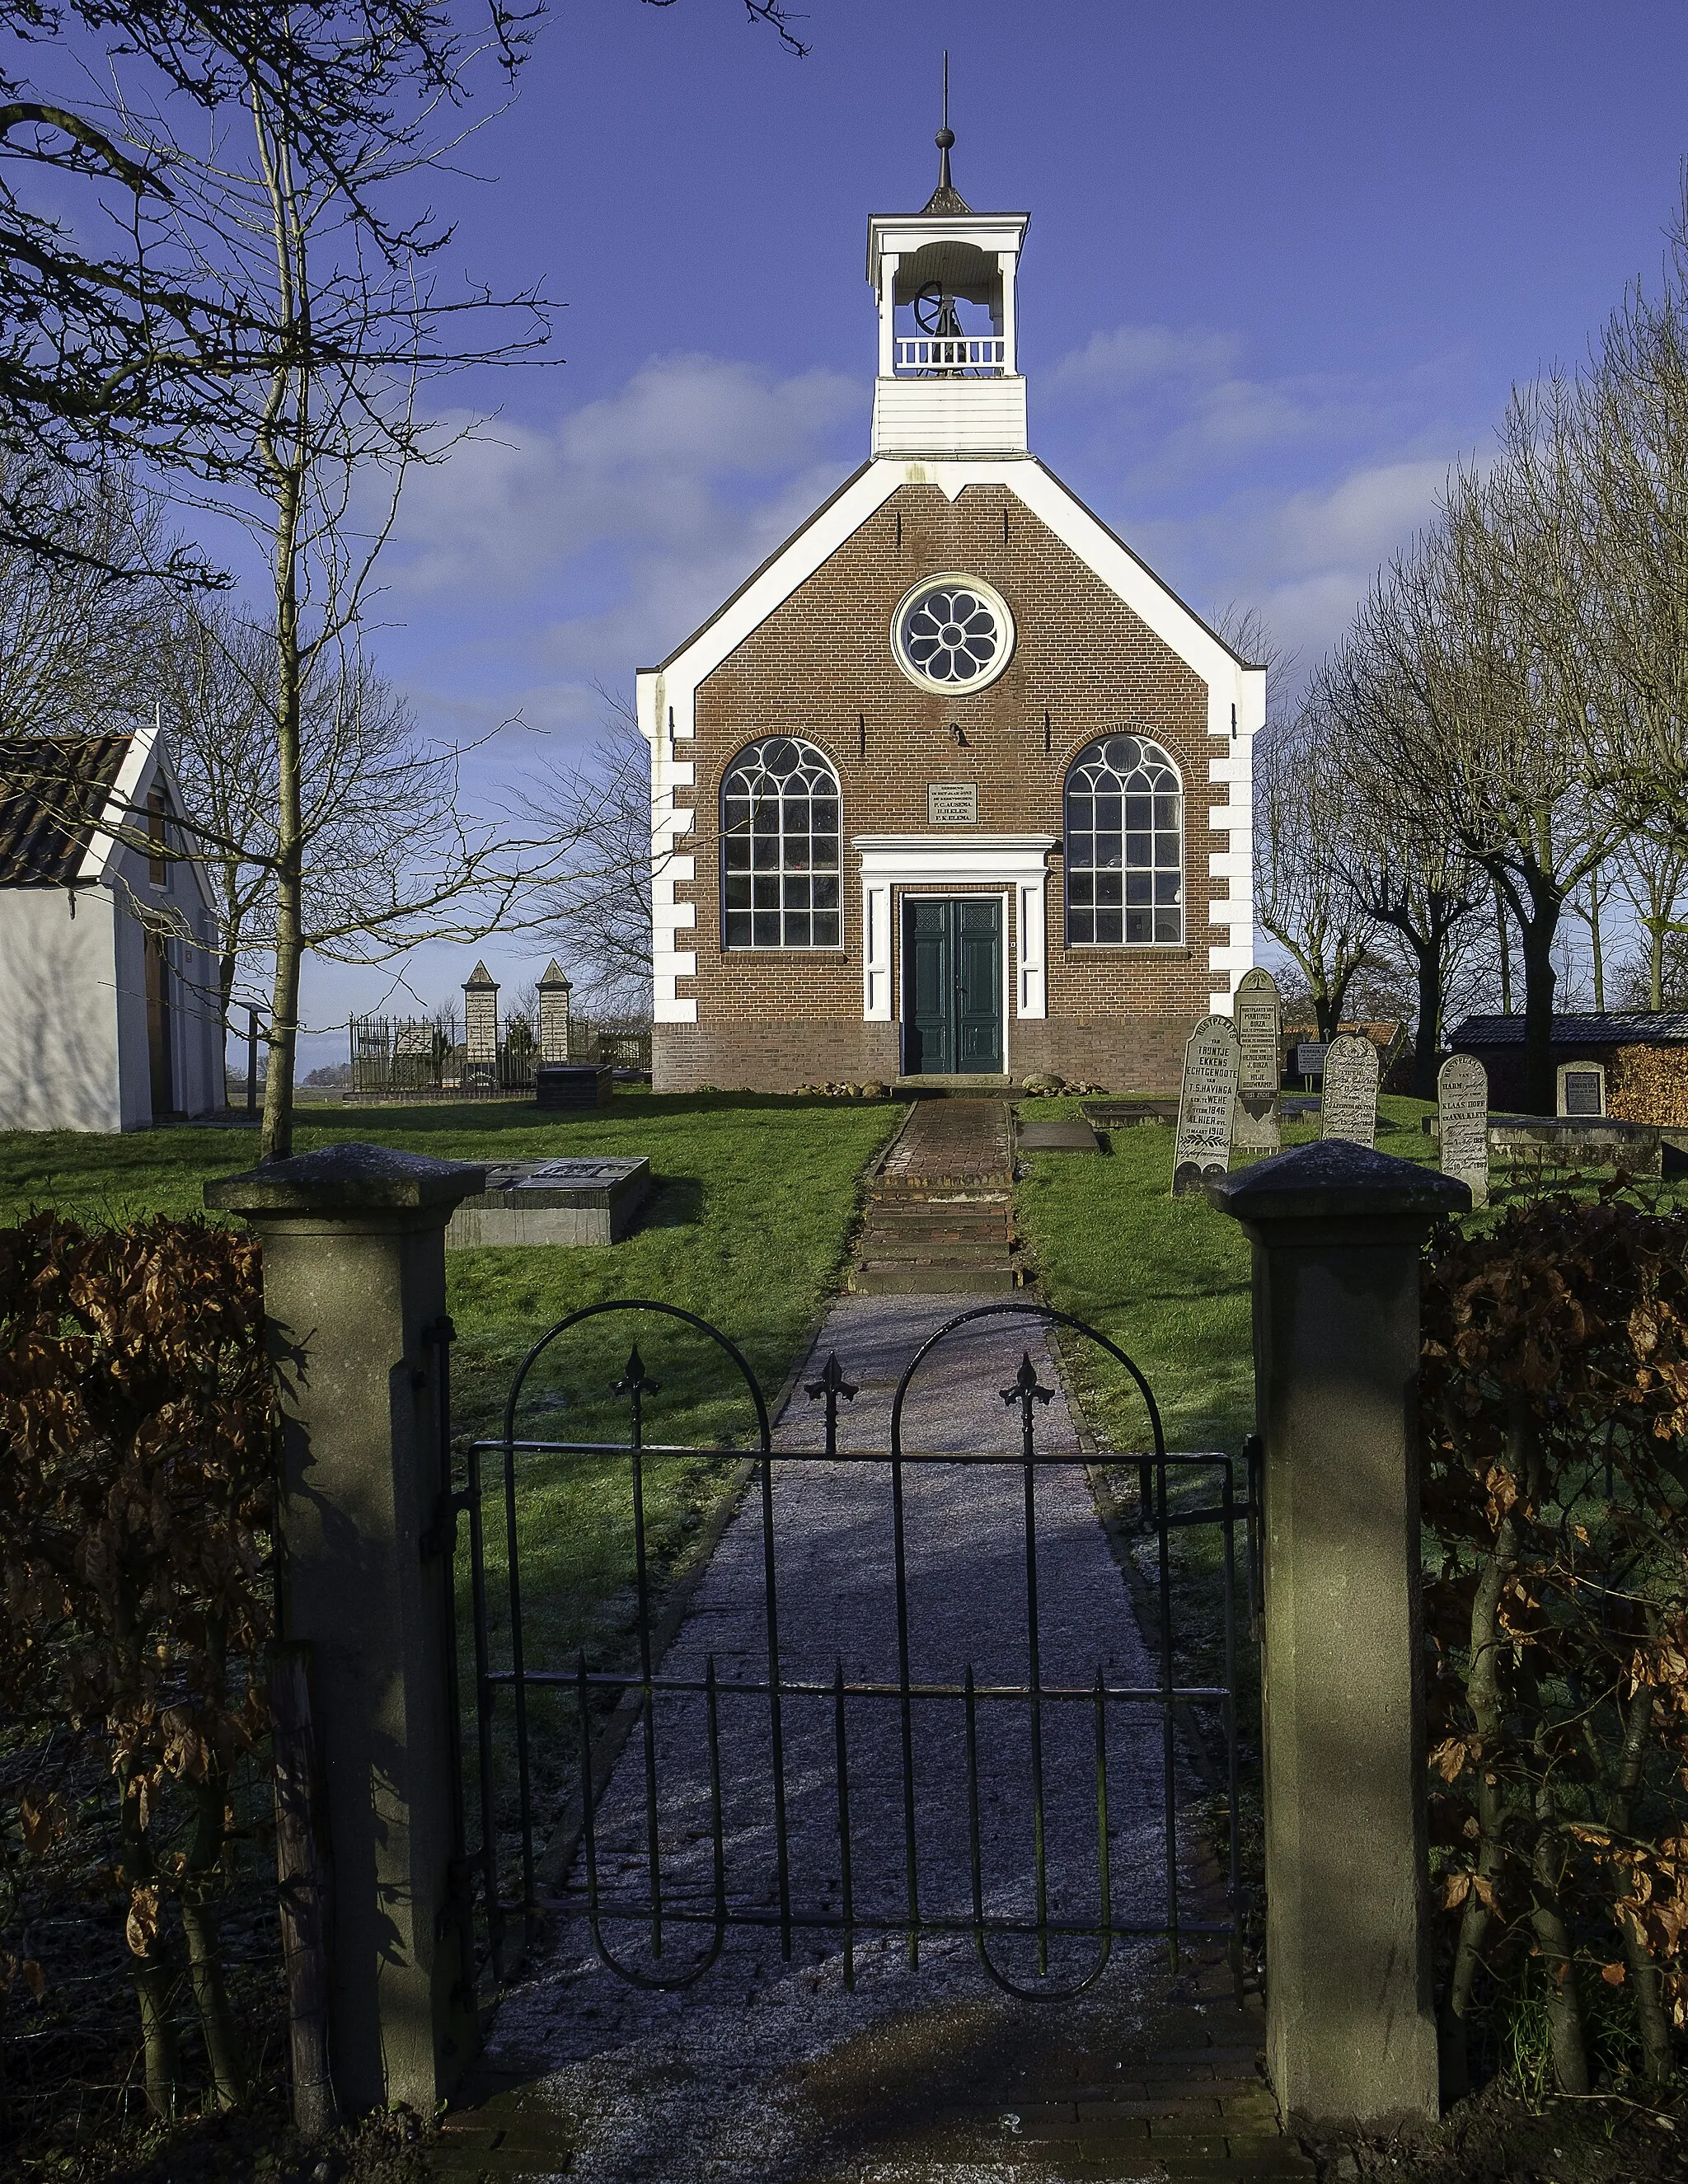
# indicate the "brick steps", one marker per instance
pixel 940 1213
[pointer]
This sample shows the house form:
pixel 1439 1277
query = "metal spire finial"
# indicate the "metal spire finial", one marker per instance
pixel 946 136
pixel 946 198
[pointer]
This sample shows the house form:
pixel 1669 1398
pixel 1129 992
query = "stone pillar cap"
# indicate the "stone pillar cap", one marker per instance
pixel 1336 1180
pixel 347 1178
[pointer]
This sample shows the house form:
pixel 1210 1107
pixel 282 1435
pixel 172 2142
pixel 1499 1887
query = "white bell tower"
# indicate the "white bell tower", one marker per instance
pixel 949 381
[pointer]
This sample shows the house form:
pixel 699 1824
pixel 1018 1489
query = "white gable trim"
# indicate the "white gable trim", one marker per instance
pixel 671 690
pixel 146 758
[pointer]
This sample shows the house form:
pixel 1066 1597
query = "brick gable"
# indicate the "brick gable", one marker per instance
pixel 820 667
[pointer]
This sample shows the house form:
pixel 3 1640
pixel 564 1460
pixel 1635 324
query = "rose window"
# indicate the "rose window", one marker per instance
pixel 953 633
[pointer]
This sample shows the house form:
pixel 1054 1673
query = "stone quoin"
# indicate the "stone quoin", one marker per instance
pixel 953 784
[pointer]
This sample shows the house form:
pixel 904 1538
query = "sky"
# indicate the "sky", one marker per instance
pixel 1286 262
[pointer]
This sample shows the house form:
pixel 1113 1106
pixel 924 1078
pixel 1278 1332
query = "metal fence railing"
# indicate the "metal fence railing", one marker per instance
pixel 435 1058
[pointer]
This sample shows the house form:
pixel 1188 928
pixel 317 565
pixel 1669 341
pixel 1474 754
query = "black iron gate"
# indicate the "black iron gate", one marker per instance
pixel 549 1734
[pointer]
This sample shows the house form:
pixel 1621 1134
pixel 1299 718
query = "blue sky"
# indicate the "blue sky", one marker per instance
pixel 1284 263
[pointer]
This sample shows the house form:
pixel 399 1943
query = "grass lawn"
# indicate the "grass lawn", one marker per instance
pixel 756 1203
pixel 1166 1278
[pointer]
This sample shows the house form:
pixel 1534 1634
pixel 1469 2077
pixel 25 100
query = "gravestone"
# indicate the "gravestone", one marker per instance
pixel 1309 1054
pixel 554 1014
pixel 1207 1099
pixel 480 1026
pixel 1258 1014
pixel 1462 1123
pixel 1582 1089
pixel 555 1202
pixel 1350 1089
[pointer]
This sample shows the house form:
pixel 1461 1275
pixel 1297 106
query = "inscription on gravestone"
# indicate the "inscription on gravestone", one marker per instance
pixel 1462 1123
pixel 1350 1089
pixel 1207 1097
pixel 1258 1014
pixel 1582 1087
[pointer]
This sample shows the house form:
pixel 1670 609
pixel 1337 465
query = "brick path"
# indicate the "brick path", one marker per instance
pixel 771 2070
pixel 940 1211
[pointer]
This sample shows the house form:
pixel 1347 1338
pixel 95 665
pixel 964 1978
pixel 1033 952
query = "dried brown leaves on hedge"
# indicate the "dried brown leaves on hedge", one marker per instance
pixel 1555 1408
pixel 137 1443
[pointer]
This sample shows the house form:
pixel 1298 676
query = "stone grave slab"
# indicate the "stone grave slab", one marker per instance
pixel 1351 1090
pixel 1462 1123
pixel 1258 1014
pixel 1057 1137
pixel 556 1202
pixel 1207 1099
pixel 1127 1114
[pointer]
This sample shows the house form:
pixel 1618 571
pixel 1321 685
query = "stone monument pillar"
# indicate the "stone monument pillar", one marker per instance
pixel 354 1286
pixel 1463 1123
pixel 1337 1230
pixel 1207 1097
pixel 1258 1014
pixel 1350 1103
pixel 554 1014
pixel 481 1027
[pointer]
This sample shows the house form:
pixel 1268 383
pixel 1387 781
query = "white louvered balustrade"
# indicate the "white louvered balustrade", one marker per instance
pixel 950 353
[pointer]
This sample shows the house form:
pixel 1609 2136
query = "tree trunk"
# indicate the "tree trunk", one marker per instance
pixel 1503 936
pixel 1482 1692
pixel 160 2060
pixel 204 1950
pixel 1651 2020
pixel 1535 935
pixel 1594 944
pixel 1424 1045
pixel 1655 964
pixel 284 1009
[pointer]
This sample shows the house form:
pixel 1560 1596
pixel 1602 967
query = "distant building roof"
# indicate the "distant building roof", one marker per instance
pixel 54 790
pixel 1627 1027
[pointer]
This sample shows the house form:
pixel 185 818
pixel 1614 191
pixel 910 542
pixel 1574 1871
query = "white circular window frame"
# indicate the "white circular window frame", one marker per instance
pixel 949 580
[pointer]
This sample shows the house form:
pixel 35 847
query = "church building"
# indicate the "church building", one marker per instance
pixel 953 786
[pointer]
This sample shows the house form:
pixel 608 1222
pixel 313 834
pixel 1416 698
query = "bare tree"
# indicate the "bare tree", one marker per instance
pixel 1416 883
pixel 380 837
pixel 596 818
pixel 77 645
pixel 1486 681
pixel 1305 814
pixel 1653 875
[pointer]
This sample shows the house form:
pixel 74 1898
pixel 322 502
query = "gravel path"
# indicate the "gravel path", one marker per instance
pixel 750 2073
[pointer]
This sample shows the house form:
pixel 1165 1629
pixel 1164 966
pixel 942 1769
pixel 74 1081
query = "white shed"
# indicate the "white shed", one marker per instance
pixel 109 1004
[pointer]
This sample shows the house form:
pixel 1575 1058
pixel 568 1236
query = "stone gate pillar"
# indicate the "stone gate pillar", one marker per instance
pixel 1337 1230
pixel 354 1241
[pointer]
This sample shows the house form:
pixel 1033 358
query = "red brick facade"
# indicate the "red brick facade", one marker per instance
pixel 820 668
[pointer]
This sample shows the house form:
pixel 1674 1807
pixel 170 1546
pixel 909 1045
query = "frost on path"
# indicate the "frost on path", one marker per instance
pixel 769 2069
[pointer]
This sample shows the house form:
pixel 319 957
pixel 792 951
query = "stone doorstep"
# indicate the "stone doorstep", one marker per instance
pixel 897 1279
pixel 880 1248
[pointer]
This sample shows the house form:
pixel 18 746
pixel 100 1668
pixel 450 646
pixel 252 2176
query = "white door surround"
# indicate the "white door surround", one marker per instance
pixel 944 863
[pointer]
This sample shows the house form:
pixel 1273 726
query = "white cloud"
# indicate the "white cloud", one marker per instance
pixel 555 557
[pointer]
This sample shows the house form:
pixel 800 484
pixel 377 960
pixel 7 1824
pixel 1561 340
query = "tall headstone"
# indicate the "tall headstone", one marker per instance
pixel 554 1014
pixel 1207 1097
pixel 1462 1123
pixel 481 1026
pixel 1258 1014
pixel 1350 1089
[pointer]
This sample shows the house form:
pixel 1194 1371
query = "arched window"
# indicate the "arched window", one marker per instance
pixel 1124 844
pixel 779 848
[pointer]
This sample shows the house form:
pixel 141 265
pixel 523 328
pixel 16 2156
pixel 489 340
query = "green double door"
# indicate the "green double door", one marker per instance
pixel 952 987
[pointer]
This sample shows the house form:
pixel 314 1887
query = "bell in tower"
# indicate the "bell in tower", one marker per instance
pixel 948 381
